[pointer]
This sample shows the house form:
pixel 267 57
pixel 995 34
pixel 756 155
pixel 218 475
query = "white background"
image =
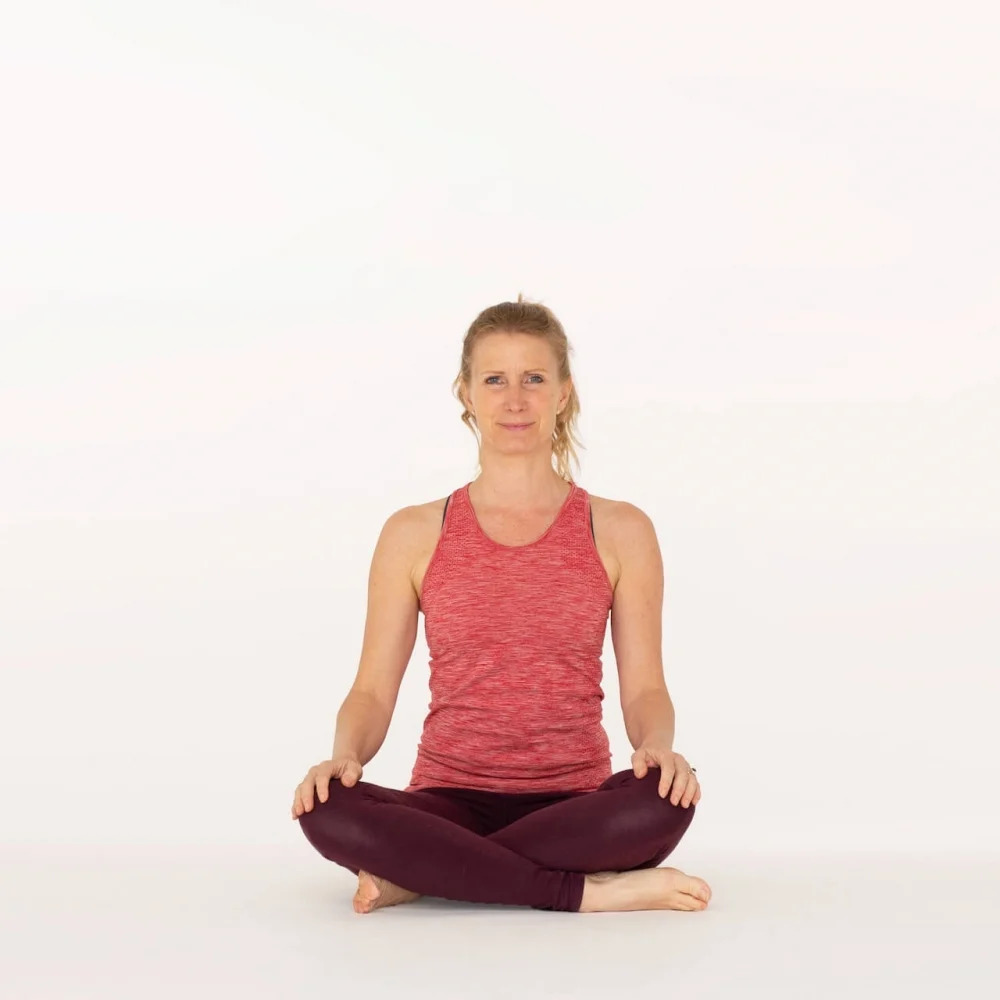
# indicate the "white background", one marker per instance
pixel 239 246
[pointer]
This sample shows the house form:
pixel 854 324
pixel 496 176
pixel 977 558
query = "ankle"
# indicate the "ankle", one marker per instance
pixel 595 888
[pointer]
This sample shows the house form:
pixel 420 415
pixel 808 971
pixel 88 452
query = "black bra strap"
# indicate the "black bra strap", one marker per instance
pixel 445 509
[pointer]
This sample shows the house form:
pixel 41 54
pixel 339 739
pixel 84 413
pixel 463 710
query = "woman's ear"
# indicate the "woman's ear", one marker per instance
pixel 564 402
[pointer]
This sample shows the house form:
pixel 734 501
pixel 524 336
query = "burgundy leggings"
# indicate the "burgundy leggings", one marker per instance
pixel 528 849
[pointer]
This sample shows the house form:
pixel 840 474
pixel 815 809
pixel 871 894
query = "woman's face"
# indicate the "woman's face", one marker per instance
pixel 514 381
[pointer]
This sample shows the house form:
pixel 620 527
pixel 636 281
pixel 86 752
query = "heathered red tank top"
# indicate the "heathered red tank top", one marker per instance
pixel 515 635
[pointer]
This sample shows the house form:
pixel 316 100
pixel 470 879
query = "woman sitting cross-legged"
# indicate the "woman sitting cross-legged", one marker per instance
pixel 511 798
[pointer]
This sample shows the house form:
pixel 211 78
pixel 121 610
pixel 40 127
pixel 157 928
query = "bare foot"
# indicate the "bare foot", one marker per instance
pixel 645 889
pixel 374 893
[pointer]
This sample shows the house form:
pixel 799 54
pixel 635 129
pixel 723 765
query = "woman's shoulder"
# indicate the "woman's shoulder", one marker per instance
pixel 421 520
pixel 624 527
pixel 615 512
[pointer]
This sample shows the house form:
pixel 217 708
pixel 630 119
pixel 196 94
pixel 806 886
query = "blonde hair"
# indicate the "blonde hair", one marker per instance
pixel 537 320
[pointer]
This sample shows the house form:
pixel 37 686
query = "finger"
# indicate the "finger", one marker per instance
pixel 680 784
pixel 690 791
pixel 323 786
pixel 308 786
pixel 685 790
pixel 680 776
pixel 666 778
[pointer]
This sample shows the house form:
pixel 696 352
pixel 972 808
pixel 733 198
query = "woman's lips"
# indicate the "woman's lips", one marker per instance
pixel 515 427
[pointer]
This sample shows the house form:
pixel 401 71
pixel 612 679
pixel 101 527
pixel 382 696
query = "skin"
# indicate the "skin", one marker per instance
pixel 514 379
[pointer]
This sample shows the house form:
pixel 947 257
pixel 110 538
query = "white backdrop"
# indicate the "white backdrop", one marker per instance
pixel 239 246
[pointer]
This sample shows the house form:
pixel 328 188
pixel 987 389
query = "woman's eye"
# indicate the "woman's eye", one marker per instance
pixel 491 377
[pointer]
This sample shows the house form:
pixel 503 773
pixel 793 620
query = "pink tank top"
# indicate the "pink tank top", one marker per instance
pixel 515 635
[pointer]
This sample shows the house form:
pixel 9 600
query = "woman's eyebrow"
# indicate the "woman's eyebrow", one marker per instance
pixel 496 371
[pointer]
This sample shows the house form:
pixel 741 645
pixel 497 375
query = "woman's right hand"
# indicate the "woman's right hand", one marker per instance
pixel 317 780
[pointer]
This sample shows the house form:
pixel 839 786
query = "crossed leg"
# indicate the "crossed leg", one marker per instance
pixel 620 826
pixel 436 846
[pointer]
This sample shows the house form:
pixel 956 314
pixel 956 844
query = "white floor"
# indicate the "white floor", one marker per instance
pixel 103 923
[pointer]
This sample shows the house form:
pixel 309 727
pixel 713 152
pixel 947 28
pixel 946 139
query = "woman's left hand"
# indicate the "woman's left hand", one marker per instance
pixel 674 770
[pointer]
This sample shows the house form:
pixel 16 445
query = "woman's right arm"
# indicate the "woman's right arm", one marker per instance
pixel 362 724
pixel 389 637
pixel 390 633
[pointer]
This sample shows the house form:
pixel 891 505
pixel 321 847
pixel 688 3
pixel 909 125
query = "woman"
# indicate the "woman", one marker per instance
pixel 512 799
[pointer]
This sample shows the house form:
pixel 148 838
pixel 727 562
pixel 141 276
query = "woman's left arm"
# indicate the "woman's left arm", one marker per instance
pixel 636 633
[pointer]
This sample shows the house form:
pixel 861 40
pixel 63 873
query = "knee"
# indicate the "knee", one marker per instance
pixel 645 793
pixel 331 820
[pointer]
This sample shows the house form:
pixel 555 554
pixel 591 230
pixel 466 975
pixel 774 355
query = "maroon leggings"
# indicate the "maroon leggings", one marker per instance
pixel 528 849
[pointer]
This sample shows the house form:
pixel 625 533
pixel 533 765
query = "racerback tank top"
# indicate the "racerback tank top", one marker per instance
pixel 515 635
